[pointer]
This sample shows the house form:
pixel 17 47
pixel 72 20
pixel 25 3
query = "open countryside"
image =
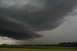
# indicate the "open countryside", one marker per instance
pixel 11 49
pixel 36 48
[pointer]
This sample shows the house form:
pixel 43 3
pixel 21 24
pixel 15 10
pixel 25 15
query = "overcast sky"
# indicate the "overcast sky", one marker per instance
pixel 66 32
pixel 46 23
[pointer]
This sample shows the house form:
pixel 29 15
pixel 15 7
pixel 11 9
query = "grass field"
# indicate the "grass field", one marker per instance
pixel 14 49
pixel 36 48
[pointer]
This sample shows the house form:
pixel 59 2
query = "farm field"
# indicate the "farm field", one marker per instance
pixel 36 48
pixel 14 49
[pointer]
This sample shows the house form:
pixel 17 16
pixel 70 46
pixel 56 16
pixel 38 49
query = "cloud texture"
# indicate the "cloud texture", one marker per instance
pixel 20 19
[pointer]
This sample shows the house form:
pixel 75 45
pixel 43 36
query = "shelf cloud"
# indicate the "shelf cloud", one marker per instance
pixel 20 19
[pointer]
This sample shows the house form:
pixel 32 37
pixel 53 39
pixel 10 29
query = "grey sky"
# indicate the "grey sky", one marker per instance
pixel 44 20
pixel 66 32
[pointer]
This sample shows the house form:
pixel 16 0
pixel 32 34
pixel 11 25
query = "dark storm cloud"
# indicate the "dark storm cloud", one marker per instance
pixel 20 19
pixel 15 30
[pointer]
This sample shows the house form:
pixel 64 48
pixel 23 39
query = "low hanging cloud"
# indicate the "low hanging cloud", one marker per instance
pixel 20 19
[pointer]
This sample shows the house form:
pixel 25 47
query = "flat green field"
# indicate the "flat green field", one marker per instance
pixel 14 49
pixel 36 48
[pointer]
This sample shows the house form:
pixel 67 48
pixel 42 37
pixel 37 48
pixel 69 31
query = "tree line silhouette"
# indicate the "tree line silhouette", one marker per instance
pixel 63 44
pixel 68 44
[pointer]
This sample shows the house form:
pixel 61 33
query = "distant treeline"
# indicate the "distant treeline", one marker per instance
pixel 68 44
pixel 63 44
